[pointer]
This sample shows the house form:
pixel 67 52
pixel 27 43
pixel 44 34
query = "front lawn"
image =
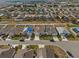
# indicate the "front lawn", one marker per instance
pixel 33 36
pixel 74 25
pixel 72 38
pixel 32 47
pixel 16 37
pixel 46 37
pixel 59 37
pixel 4 46
pixel 20 26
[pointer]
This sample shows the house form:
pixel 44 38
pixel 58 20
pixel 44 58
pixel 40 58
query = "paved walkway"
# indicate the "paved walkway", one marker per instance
pixel 24 46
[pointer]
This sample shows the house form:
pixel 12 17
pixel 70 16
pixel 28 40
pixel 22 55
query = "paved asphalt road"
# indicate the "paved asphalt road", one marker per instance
pixel 72 46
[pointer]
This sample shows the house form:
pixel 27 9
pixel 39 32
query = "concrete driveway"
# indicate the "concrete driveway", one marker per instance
pixel 64 38
pixel 55 38
pixel 36 37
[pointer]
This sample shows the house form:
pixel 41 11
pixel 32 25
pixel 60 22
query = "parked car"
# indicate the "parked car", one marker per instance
pixel 51 40
pixel 22 40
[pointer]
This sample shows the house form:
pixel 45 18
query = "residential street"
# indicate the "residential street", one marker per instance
pixel 71 46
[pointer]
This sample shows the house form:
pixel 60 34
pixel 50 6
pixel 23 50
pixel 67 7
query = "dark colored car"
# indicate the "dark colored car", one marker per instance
pixel 22 40
pixel 70 54
pixel 51 40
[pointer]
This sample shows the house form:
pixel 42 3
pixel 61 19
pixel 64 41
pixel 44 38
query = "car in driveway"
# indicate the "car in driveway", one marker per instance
pixel 70 54
pixel 21 40
pixel 52 40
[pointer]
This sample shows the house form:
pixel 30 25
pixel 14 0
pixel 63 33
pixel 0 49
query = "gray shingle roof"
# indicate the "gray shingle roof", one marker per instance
pixel 8 54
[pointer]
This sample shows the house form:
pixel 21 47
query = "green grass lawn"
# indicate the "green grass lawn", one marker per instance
pixel 59 37
pixel 74 25
pixel 4 46
pixel 32 47
pixel 72 38
pixel 46 37
pixel 20 26
pixel 16 37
